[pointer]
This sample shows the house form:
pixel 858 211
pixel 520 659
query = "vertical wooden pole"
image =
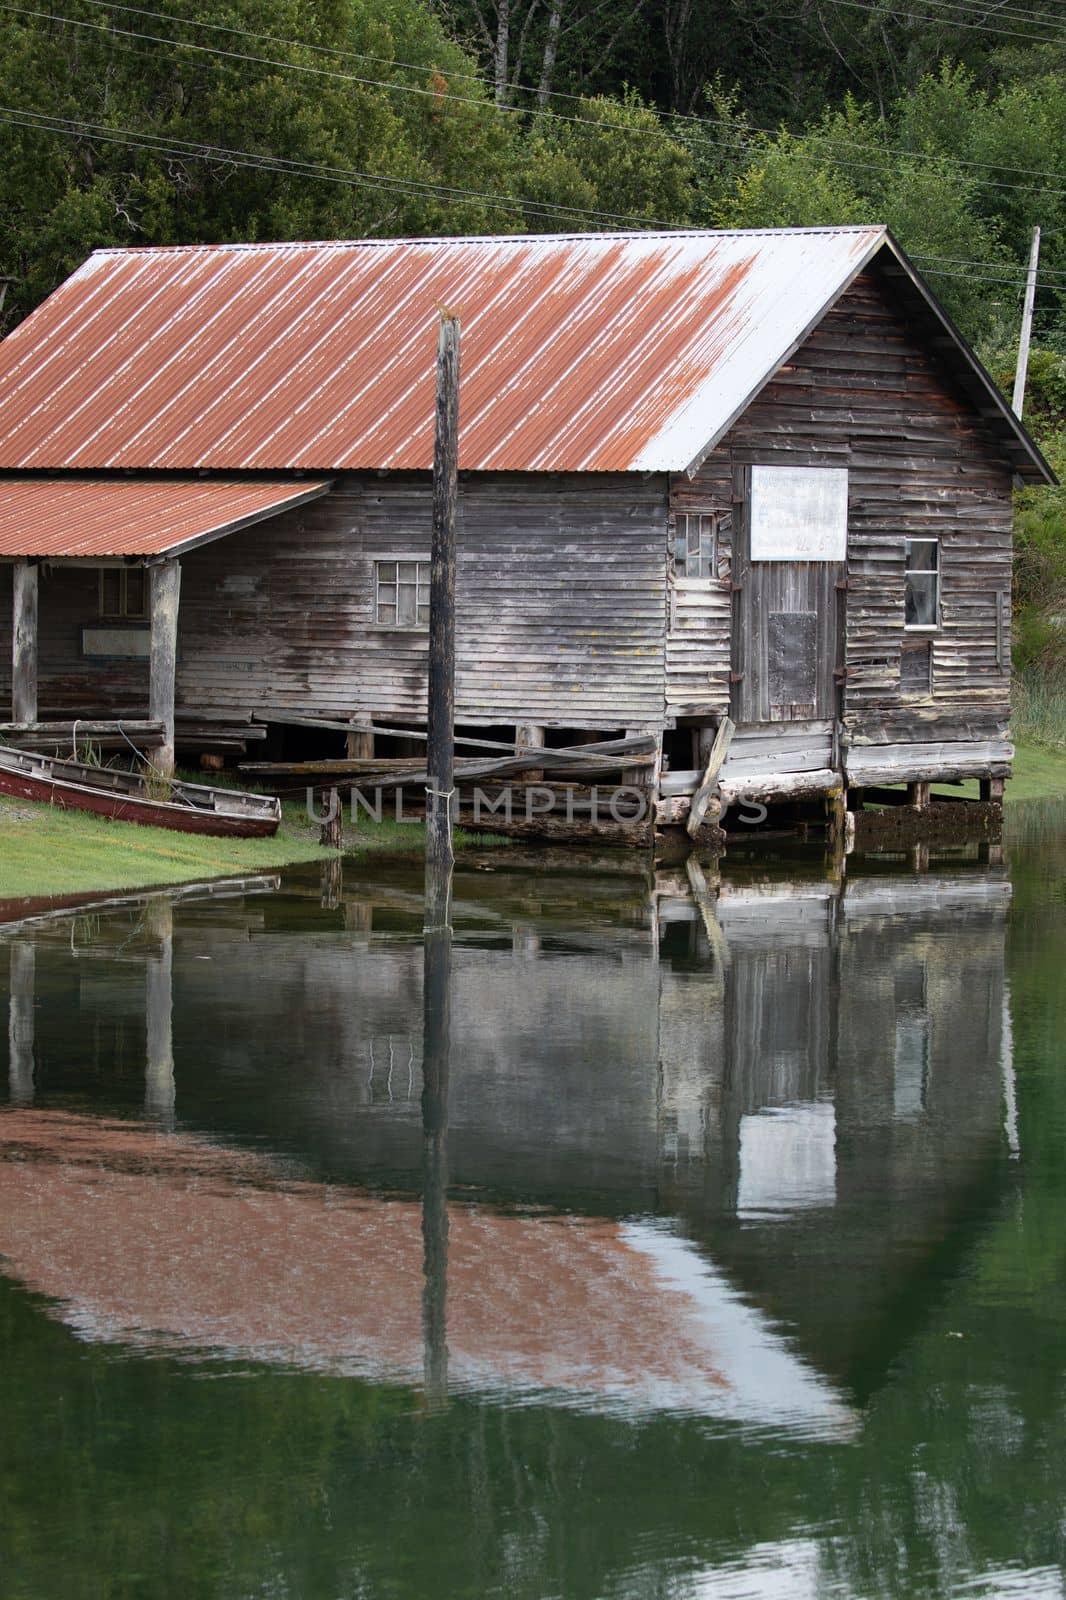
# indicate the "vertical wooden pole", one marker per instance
pixel 436 1071
pixel 24 644
pixel 440 855
pixel 1027 326
pixel 20 1029
pixel 165 591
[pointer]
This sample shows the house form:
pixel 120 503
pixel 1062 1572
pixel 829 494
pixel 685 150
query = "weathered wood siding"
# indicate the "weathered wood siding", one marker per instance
pixel 698 641
pixel 560 599
pixel 864 392
pixel 68 600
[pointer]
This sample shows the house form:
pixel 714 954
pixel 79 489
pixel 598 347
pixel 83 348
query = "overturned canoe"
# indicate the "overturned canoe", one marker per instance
pixel 126 797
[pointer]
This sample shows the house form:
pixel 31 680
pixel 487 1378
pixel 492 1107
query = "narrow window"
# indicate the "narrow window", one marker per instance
pixel 695 544
pixel 401 592
pixel 123 593
pixel 921 562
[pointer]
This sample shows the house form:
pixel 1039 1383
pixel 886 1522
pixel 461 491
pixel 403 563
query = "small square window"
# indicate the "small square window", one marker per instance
pixel 921 580
pixel 123 593
pixel 401 593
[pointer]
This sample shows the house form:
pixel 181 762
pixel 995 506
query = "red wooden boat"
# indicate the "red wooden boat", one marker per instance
pixel 124 796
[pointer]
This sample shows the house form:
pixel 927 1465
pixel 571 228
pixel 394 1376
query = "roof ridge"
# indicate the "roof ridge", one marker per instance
pixel 496 239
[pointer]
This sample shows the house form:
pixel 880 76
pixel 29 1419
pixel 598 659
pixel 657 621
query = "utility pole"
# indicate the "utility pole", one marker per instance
pixel 1027 326
pixel 440 856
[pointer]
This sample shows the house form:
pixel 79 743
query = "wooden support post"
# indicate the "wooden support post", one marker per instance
pixel 159 1090
pixel 360 742
pixel 440 745
pixel 20 1029
pixel 164 592
pixel 918 795
pixel 24 644
pixel 530 736
pixel 991 789
pixel 836 809
pixel 715 762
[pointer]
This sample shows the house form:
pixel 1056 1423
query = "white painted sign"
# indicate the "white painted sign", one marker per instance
pixel 799 513
pixel 108 641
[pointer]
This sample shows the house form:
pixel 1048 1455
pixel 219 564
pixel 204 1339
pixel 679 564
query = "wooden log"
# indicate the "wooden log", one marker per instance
pixel 24 643
pixel 331 833
pixel 715 761
pixel 781 786
pixel 991 789
pixel 164 594
pixel 440 745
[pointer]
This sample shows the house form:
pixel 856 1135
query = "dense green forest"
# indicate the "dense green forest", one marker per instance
pixel 249 119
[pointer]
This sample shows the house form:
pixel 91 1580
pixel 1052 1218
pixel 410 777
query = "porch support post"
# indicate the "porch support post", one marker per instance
pixel 165 589
pixel 24 644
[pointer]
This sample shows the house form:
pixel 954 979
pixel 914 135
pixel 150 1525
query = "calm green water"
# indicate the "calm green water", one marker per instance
pixel 723 1253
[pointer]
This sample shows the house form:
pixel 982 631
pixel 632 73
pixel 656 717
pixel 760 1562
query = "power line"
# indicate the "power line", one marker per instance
pixel 169 145
pixel 436 93
pixel 1012 12
pixel 913 16
pixel 354 177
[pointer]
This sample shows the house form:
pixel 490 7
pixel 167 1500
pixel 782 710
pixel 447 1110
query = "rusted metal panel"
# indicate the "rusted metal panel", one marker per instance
pixel 584 353
pixel 102 517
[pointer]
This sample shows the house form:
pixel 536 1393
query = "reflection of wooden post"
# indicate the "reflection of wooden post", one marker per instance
pixel 332 883
pixel 441 720
pixel 164 589
pixel 20 1031
pixel 24 644
pixel 436 1066
pixel 158 1013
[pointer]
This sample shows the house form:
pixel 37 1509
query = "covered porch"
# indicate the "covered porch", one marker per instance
pixel 103 554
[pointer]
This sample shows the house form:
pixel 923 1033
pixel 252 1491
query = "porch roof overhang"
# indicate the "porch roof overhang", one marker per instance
pixel 75 517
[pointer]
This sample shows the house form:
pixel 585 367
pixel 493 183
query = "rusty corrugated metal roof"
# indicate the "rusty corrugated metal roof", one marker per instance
pixel 611 352
pixel 72 516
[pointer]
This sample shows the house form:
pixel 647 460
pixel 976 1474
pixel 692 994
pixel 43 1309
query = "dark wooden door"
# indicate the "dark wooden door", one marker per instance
pixel 786 634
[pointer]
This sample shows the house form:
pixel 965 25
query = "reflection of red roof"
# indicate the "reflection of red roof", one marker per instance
pixel 589 353
pixel 142 1234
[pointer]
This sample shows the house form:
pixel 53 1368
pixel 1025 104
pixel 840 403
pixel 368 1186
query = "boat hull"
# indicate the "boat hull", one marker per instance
pixel 121 807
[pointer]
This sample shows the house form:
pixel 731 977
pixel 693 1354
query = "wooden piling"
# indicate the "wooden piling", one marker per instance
pixel 440 854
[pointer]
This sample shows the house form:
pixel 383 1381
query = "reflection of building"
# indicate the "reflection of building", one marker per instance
pixel 805 1056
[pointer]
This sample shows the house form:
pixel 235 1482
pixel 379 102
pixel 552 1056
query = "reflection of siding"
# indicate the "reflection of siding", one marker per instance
pixel 560 597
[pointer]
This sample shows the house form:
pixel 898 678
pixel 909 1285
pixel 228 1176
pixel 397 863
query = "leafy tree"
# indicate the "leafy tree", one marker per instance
pixel 165 140
pixel 612 157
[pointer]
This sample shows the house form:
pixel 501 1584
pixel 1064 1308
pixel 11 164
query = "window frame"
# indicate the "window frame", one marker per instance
pixel 422 586
pixel 707 525
pixel 909 571
pixel 123 614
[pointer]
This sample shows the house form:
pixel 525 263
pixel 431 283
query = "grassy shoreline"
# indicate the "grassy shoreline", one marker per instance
pixel 47 852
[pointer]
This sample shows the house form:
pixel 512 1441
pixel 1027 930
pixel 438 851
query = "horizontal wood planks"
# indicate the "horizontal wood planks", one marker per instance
pixel 561 605
pixel 865 392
